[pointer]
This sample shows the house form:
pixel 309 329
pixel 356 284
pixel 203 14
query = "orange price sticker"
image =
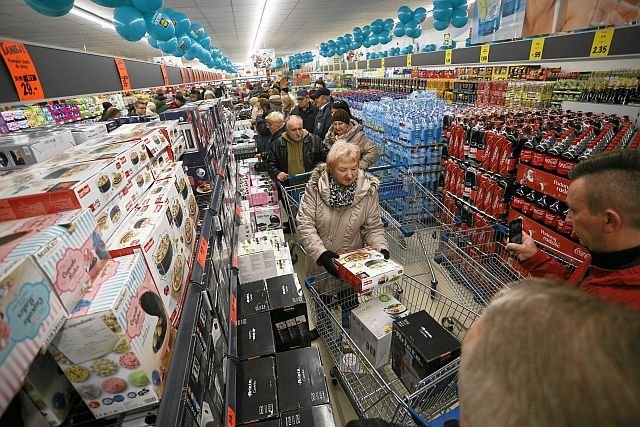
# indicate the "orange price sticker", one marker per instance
pixel 23 71
pixel 184 80
pixel 202 251
pixel 231 417
pixel 234 309
pixel 165 77
pixel 191 78
pixel 124 74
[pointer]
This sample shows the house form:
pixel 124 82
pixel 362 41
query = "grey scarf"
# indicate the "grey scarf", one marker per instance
pixel 339 196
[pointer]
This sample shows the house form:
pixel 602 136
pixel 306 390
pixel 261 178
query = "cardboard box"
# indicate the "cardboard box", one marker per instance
pixel 30 316
pixel 265 195
pixel 256 260
pixel 67 247
pixel 253 298
pixel 266 217
pixel 255 336
pixel 315 416
pixel 419 347
pixel 83 132
pixel 119 210
pixel 153 139
pixel 49 389
pixel 371 326
pixel 132 154
pixel 113 347
pixel 288 312
pixel 365 269
pixel 301 381
pixel 27 148
pixel 256 393
pixel 150 233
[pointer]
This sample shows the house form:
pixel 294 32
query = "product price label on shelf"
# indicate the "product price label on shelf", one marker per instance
pixel 203 248
pixel 234 310
pixel 382 62
pixel 409 60
pixel 368 64
pixel 191 75
pixel 184 80
pixel 484 53
pixel 537 46
pixel 601 43
pixel 357 64
pixel 165 77
pixel 23 71
pixel 448 56
pixel 336 59
pixel 124 74
pixel 231 417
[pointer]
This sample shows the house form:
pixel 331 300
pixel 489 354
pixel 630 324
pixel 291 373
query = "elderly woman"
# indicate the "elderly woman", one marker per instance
pixel 344 129
pixel 339 212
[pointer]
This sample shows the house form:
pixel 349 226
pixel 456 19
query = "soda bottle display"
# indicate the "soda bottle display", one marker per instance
pixel 518 197
pixel 529 202
pixel 553 214
pixel 563 226
pixel 540 209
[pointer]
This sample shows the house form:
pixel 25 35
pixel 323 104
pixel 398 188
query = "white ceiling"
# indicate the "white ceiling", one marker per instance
pixel 289 26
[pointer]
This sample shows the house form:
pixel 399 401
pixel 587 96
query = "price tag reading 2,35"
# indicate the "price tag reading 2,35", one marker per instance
pixel 601 43
pixel 484 53
pixel 537 47
pixel 124 74
pixel 23 71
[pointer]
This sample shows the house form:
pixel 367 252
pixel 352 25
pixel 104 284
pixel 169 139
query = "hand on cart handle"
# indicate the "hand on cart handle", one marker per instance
pixel 326 260
pixel 283 176
pixel 526 250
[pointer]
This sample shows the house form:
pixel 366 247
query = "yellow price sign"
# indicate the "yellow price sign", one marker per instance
pixel 346 65
pixel 484 53
pixel 537 46
pixel 409 60
pixel 357 64
pixel 448 56
pixel 382 62
pixel 368 64
pixel 601 43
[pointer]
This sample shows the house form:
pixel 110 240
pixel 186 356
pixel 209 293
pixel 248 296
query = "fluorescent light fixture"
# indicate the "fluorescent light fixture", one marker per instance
pixel 255 40
pixel 89 16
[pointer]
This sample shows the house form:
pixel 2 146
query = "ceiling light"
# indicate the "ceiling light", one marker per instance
pixel 255 41
pixel 89 16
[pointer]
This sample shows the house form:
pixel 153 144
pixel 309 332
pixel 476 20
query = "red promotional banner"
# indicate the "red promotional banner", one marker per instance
pixel 124 74
pixel 544 182
pixel 164 74
pixel 184 80
pixel 23 71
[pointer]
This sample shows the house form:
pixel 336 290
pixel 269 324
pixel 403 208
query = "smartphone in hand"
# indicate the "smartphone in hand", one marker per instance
pixel 515 231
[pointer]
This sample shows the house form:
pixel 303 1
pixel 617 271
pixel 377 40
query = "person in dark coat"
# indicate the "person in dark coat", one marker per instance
pixel 305 109
pixel 263 135
pixel 322 98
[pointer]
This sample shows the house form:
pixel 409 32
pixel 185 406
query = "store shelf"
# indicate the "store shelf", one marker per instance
pixel 571 46
pixel 632 111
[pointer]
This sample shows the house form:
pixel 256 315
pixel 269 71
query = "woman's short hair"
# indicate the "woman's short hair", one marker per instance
pixel 342 151
pixel 253 101
pixel 275 116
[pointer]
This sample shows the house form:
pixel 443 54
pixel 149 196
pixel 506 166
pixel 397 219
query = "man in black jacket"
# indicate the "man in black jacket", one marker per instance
pixel 322 98
pixel 305 109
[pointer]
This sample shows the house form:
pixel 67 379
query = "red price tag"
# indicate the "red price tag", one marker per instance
pixel 182 75
pixel 124 74
pixel 234 309
pixel 23 71
pixel 190 71
pixel 202 251
pixel 164 74
pixel 234 260
pixel 231 417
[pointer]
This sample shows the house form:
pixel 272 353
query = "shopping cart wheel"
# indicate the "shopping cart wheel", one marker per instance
pixel 334 375
pixel 434 285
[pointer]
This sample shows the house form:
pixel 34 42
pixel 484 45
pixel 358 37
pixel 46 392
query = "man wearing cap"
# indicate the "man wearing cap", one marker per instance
pixel 323 119
pixel 305 109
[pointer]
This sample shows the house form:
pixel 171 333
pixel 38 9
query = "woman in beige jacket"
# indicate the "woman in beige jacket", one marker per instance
pixel 344 129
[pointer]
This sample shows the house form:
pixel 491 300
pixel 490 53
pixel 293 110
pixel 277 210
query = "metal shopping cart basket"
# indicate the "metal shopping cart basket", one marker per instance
pixel 379 393
pixel 478 265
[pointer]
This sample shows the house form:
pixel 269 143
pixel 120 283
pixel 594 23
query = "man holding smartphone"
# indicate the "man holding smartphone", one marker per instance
pixel 604 209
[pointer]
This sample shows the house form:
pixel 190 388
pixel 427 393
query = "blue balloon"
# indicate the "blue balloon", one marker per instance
pixel 459 18
pixel 420 14
pixel 358 38
pixel 130 23
pixel 366 43
pixel 196 32
pixel 51 7
pixel 189 55
pixel 377 26
pixel 355 45
pixel 383 36
pixel 331 43
pixel 388 24
pixel 178 53
pixel 374 39
pixel 405 14
pixel 206 41
pixel 340 40
pixel 411 25
pixel 458 3
pixel 147 6
pixel 109 3
pixel 152 42
pixel 160 26
pixel 443 13
pixel 356 30
pixel 366 29
pixel 440 25
pixel 182 22
pixel 168 46
pixel 414 33
pixel 184 43
pixel 399 30
pixel 348 38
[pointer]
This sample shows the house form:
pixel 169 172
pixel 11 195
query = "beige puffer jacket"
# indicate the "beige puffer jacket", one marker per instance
pixel 368 151
pixel 322 228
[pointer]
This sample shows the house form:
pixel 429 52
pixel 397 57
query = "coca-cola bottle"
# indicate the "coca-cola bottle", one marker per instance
pixel 469 182
pixel 518 197
pixel 473 142
pixel 563 226
pixel 540 209
pixel 552 216
pixel 553 154
pixel 540 151
pixel 526 155
pixel 529 202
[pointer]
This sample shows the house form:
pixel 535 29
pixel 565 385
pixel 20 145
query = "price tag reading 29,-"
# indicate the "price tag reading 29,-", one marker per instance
pixel 124 74
pixel 23 71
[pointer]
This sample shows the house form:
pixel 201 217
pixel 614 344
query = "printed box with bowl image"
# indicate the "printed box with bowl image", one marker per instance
pixel 365 269
pixel 154 140
pixel 152 234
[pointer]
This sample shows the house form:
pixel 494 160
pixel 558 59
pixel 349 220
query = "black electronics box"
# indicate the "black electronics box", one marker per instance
pixel 419 347
pixel 256 392
pixel 288 313
pixel 316 416
pixel 270 423
pixel 255 336
pixel 301 381
pixel 252 298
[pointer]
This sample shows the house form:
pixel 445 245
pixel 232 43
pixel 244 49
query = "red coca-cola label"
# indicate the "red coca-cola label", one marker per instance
pixel 550 219
pixel 495 155
pixel 538 213
pixel 517 203
pixel 550 163
pixel 564 167
pixel 527 207
pixel 526 156
pixel 538 159
pixel 564 227
pixel 503 167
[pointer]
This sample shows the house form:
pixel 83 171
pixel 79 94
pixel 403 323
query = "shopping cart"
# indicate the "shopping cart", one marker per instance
pixel 379 393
